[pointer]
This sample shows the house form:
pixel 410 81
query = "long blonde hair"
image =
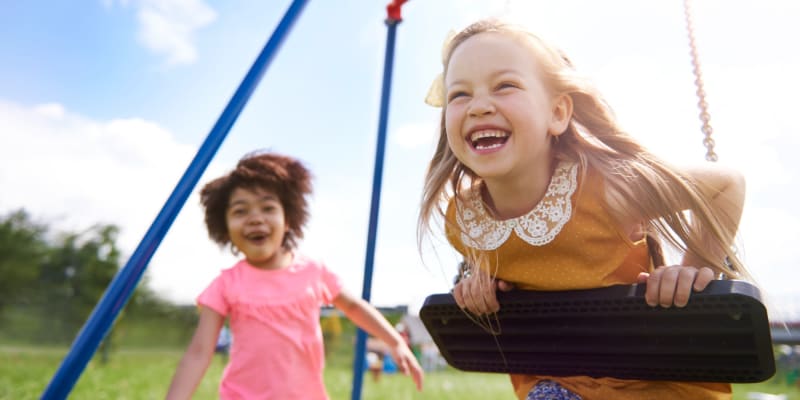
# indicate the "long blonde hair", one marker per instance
pixel 593 139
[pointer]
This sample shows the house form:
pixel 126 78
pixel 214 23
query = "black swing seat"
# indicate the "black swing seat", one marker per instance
pixel 722 335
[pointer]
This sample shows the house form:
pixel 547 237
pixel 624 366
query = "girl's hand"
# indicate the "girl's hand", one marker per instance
pixel 407 363
pixel 477 293
pixel 673 285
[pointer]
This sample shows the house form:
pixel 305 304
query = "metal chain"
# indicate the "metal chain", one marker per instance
pixel 705 117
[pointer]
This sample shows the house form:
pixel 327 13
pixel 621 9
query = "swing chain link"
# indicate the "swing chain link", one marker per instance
pixel 705 117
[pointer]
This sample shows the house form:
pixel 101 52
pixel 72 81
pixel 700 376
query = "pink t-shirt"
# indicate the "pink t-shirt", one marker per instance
pixel 277 350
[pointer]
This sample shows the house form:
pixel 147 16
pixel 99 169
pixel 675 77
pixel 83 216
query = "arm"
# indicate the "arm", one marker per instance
pixel 724 188
pixel 370 320
pixel 198 355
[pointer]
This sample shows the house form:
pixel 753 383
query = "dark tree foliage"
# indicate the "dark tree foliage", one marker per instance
pixel 51 281
pixel 77 272
pixel 22 252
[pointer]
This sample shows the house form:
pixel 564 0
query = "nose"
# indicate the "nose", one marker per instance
pixel 481 105
pixel 255 218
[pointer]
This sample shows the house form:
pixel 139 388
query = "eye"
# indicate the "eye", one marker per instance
pixel 507 85
pixel 238 212
pixel 452 96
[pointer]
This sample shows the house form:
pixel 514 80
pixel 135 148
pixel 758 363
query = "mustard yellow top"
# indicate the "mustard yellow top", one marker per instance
pixel 568 241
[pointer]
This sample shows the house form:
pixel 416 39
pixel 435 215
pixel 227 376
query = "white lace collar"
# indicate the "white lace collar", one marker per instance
pixel 538 227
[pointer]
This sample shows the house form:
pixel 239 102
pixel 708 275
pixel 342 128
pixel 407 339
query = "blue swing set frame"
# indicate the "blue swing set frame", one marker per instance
pixel 438 309
pixel 122 286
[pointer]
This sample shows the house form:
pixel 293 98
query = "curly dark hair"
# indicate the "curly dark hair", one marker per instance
pixel 285 176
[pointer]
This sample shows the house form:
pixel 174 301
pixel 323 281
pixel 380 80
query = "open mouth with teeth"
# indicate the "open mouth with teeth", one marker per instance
pixel 256 237
pixel 488 139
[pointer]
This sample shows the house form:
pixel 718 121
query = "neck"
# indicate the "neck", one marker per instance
pixel 512 197
pixel 281 259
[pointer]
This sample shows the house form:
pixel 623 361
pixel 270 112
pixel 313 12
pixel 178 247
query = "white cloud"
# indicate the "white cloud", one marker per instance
pixel 52 110
pixel 80 171
pixel 72 172
pixel 168 26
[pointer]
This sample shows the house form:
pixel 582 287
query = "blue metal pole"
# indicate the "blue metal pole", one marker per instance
pixel 361 337
pixel 125 281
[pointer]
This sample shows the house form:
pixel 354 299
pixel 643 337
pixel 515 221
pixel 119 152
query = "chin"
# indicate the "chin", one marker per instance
pixel 491 173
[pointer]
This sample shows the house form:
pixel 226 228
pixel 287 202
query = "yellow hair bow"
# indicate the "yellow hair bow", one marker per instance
pixel 435 96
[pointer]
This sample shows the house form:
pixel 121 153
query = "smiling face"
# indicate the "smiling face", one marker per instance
pixel 257 225
pixel 498 112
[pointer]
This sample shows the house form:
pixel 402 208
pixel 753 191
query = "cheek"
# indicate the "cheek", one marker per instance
pixel 230 225
pixel 452 124
pixel 232 233
pixel 280 221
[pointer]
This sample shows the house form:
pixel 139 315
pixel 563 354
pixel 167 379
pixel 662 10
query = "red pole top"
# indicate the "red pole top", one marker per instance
pixel 393 10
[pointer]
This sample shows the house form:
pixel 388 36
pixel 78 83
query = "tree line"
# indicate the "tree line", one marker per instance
pixel 51 281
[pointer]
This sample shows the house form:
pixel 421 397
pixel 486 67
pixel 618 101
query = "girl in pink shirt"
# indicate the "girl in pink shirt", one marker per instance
pixel 272 297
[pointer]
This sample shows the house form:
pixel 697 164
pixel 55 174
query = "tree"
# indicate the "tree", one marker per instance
pixel 50 283
pixel 22 250
pixel 76 274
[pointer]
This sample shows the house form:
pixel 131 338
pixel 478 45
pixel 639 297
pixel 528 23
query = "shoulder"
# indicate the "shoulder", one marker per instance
pixel 304 261
pixel 228 277
pixel 230 272
pixel 313 265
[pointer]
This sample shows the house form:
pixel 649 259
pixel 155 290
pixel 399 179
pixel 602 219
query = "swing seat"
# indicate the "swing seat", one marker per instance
pixel 722 335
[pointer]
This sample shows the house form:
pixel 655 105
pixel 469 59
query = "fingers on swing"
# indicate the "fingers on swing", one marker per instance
pixel 704 277
pixel 683 287
pixel 504 286
pixel 487 292
pixel 456 292
pixel 475 296
pixel 668 286
pixel 662 286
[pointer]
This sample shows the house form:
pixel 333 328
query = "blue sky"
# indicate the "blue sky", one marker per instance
pixel 104 103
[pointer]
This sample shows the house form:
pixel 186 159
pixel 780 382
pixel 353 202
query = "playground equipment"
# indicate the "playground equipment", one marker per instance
pixel 722 335
pixel 124 283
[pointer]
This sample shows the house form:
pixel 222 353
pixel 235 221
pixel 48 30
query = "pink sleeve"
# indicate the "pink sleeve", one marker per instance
pixel 214 296
pixel 331 285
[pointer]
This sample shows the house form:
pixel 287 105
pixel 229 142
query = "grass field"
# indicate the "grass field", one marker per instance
pixel 145 374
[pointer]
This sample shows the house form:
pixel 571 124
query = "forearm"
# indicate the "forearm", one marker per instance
pixel 198 356
pixel 370 320
pixel 728 204
pixel 726 195
pixel 188 375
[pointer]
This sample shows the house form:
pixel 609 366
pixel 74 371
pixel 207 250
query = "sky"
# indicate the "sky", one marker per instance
pixel 104 103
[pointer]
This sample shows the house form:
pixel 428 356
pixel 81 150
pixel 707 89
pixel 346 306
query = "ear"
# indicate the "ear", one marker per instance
pixel 562 114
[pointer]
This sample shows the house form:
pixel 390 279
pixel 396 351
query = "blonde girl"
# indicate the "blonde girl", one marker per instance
pixel 540 189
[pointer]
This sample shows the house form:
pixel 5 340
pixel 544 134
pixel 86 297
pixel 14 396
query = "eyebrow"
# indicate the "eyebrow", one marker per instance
pixel 264 198
pixel 493 75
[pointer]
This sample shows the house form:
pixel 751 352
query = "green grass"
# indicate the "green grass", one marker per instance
pixel 145 374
